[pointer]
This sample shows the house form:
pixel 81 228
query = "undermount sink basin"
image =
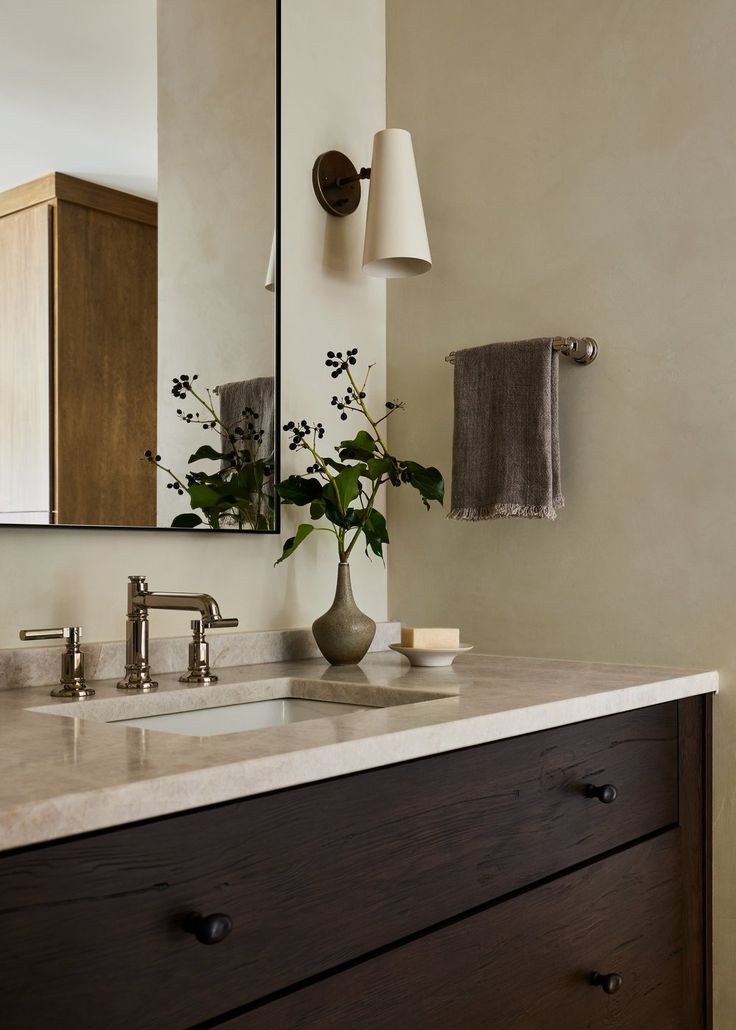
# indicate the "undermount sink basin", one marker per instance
pixel 238 707
pixel 250 715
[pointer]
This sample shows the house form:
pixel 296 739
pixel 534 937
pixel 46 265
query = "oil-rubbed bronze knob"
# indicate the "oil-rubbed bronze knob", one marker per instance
pixel 608 982
pixel 606 794
pixel 208 929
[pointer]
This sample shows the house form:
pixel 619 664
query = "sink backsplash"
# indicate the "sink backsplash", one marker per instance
pixel 39 666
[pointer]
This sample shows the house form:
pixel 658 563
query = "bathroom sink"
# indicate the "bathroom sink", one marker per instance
pixel 250 715
pixel 238 707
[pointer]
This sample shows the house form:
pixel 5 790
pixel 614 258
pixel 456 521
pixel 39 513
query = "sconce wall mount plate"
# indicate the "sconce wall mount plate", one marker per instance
pixel 336 183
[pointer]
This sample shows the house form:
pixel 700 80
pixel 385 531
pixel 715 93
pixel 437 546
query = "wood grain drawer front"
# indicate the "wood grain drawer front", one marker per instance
pixel 524 964
pixel 315 876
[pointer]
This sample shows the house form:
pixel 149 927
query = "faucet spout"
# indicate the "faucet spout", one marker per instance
pixel 140 601
pixel 205 604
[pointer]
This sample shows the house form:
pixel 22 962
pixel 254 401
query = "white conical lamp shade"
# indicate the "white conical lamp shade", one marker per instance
pixel 396 243
pixel 270 283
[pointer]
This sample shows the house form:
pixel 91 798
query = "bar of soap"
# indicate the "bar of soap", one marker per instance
pixel 429 638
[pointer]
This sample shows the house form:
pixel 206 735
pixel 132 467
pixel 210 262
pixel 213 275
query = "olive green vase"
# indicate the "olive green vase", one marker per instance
pixel 344 633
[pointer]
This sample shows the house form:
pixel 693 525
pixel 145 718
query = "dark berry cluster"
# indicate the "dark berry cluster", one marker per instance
pixel 399 476
pixel 193 416
pixel 301 430
pixel 249 431
pixel 154 459
pixel 182 383
pixel 347 401
pixel 239 435
pixel 338 363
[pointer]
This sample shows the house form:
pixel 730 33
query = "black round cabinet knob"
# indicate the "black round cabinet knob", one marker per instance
pixel 606 794
pixel 208 929
pixel 608 982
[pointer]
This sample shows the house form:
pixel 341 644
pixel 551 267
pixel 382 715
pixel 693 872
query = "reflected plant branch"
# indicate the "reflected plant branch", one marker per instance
pixel 240 493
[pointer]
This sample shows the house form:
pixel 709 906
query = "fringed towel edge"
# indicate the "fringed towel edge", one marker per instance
pixel 508 511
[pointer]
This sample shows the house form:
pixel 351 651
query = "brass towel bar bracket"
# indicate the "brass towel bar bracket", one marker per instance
pixel 582 349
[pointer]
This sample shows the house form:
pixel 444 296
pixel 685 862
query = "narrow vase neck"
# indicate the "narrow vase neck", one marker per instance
pixel 343 589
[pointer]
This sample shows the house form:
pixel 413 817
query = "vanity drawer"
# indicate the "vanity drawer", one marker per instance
pixel 524 964
pixel 315 876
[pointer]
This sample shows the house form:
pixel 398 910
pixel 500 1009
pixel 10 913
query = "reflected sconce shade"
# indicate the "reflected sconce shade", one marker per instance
pixel 396 244
pixel 270 283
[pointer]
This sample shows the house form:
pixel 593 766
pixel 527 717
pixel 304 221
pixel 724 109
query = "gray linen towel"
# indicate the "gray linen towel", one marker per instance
pixel 506 446
pixel 256 394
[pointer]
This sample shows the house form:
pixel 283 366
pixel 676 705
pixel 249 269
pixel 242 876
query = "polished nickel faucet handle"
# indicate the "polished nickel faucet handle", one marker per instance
pixel 199 657
pixel 62 633
pixel 72 682
pixel 199 650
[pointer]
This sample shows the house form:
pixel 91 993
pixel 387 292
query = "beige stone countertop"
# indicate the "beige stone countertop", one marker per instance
pixel 64 775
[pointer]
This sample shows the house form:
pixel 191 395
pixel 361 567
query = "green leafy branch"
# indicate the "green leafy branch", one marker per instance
pixel 341 493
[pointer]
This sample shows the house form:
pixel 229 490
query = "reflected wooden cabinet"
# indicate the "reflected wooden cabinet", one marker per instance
pixel 78 291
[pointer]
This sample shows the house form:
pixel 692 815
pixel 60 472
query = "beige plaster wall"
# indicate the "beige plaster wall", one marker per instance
pixel 217 151
pixel 578 166
pixel 62 576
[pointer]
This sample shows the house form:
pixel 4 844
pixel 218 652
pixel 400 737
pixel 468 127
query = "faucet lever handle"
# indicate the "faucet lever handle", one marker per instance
pixel 70 633
pixel 199 670
pixel 72 683
pixel 220 623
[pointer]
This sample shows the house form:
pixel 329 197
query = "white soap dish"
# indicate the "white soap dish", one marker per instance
pixel 431 657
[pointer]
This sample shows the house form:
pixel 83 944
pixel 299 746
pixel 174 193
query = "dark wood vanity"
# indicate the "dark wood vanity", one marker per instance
pixel 477 888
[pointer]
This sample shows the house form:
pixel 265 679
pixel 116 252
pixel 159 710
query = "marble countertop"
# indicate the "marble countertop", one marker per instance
pixel 66 775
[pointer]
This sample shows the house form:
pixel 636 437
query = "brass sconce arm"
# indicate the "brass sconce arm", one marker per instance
pixel 364 173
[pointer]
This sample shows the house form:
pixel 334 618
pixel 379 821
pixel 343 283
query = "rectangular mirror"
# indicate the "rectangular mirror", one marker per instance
pixel 139 311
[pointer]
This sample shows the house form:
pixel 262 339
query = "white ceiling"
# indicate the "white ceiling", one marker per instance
pixel 78 91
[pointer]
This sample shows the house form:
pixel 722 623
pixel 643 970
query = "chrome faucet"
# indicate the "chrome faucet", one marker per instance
pixel 140 600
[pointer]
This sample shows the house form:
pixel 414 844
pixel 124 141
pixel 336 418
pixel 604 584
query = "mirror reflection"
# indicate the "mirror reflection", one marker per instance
pixel 138 264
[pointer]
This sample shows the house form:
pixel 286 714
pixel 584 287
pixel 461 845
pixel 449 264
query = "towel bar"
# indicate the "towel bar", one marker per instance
pixel 582 349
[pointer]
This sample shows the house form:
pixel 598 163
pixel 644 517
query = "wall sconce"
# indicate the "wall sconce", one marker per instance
pixel 396 243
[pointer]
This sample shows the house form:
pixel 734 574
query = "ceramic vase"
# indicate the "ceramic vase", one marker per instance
pixel 344 633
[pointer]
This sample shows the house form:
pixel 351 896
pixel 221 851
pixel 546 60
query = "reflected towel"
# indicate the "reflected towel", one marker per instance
pixel 256 394
pixel 506 446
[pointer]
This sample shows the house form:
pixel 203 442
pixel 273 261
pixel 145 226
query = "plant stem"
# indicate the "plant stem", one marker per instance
pixel 361 402
pixel 366 515
pixel 169 472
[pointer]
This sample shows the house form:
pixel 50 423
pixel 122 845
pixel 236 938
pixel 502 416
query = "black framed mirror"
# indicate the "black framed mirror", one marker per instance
pixel 139 267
